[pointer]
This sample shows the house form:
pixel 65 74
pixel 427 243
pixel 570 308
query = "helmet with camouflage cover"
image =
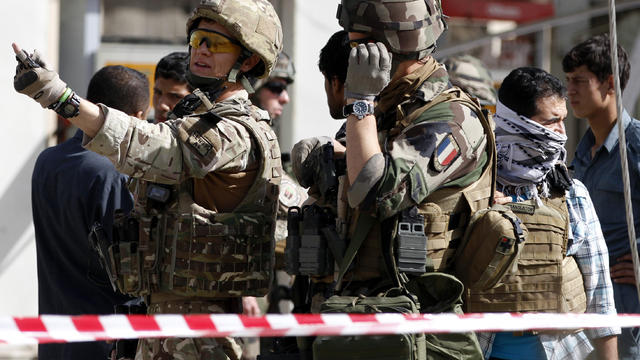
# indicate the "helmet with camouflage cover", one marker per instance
pixel 283 69
pixel 252 22
pixel 408 28
pixel 471 75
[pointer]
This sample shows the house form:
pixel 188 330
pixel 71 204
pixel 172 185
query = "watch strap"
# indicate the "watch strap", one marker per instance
pixel 68 105
pixel 348 109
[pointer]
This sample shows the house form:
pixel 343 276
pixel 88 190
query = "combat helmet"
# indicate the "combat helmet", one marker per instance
pixel 471 75
pixel 283 69
pixel 408 28
pixel 254 23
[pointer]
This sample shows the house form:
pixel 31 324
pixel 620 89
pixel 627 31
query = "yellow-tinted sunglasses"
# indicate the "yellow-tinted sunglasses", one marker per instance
pixel 216 42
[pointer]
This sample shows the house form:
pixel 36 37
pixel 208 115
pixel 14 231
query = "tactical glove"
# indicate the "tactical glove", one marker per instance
pixel 369 71
pixel 36 81
pixel 301 161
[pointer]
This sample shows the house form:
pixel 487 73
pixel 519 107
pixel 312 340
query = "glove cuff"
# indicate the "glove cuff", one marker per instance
pixel 357 96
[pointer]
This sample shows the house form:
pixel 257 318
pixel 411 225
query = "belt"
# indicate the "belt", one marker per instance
pixel 194 307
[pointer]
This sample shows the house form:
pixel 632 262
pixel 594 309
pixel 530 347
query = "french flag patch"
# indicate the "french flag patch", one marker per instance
pixel 446 152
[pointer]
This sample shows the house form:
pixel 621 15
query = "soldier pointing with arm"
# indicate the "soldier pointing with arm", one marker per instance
pixel 201 234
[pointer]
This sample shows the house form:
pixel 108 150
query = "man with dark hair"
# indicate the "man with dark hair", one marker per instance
pixel 170 84
pixel 592 97
pixel 333 63
pixel 563 236
pixel 72 188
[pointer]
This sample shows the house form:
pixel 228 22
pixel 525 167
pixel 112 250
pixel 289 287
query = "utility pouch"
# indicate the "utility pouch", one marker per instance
pixel 438 292
pixel 411 242
pixel 490 247
pixel 125 253
pixel 405 346
pixel 313 245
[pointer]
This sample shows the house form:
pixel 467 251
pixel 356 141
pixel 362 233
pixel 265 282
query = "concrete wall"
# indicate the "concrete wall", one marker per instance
pixel 32 24
pixel 315 22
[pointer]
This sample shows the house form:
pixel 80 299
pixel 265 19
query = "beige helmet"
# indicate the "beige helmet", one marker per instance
pixel 252 22
pixel 408 28
pixel 472 76
pixel 283 69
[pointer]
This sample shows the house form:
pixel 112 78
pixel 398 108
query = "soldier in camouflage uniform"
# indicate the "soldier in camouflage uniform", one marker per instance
pixel 471 75
pixel 412 142
pixel 201 236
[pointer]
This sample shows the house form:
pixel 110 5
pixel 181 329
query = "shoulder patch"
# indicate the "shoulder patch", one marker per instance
pixel 200 143
pixel 289 194
pixel 446 152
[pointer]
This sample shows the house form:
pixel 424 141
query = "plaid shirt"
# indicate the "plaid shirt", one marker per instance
pixel 587 246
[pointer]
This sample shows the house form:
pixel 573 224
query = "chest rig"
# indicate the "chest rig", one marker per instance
pixel 171 245
pixel 546 279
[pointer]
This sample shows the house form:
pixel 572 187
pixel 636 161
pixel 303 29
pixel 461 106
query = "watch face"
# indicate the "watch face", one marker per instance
pixel 360 108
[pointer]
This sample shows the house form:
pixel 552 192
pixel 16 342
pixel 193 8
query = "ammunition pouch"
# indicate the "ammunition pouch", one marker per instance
pixel 411 242
pixel 187 255
pixel 313 244
pixel 405 346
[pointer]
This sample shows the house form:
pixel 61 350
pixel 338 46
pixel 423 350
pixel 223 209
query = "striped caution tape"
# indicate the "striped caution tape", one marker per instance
pixel 59 328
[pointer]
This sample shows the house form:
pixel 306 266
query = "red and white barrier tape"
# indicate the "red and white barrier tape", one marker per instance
pixel 60 328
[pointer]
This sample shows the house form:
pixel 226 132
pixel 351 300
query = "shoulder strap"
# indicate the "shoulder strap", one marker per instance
pixel 364 224
pixel 270 168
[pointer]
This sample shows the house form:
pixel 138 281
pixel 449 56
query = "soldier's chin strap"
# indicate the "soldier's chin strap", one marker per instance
pixel 235 72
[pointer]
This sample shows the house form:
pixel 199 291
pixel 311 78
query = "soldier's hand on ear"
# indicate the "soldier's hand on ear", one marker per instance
pixel 35 80
pixel 301 161
pixel 369 71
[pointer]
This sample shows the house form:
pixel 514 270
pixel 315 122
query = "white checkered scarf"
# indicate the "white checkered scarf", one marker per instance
pixel 527 151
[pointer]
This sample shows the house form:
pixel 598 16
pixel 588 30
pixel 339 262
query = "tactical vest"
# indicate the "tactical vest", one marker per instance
pixel 446 211
pixel 187 250
pixel 546 280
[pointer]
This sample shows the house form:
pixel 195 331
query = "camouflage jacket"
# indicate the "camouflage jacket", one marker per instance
pixel 154 152
pixel 444 146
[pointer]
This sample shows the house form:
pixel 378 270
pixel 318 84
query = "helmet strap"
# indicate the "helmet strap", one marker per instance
pixel 235 74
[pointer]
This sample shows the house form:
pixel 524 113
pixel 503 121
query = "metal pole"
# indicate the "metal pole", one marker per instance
pixel 622 143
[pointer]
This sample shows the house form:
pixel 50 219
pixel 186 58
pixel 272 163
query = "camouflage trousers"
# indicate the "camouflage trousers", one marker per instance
pixel 189 349
pixel 226 348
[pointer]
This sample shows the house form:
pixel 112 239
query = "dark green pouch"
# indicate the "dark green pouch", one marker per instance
pixel 388 347
pixel 439 293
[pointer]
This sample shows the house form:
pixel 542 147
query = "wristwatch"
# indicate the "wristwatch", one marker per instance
pixel 359 108
pixel 68 105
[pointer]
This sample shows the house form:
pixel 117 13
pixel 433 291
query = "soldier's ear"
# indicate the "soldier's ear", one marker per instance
pixel 248 64
pixel 337 86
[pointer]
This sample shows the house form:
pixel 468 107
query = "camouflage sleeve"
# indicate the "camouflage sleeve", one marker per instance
pixel 155 152
pixel 444 146
pixel 366 180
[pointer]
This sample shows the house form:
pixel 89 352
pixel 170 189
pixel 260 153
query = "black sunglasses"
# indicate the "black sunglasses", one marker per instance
pixel 276 87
